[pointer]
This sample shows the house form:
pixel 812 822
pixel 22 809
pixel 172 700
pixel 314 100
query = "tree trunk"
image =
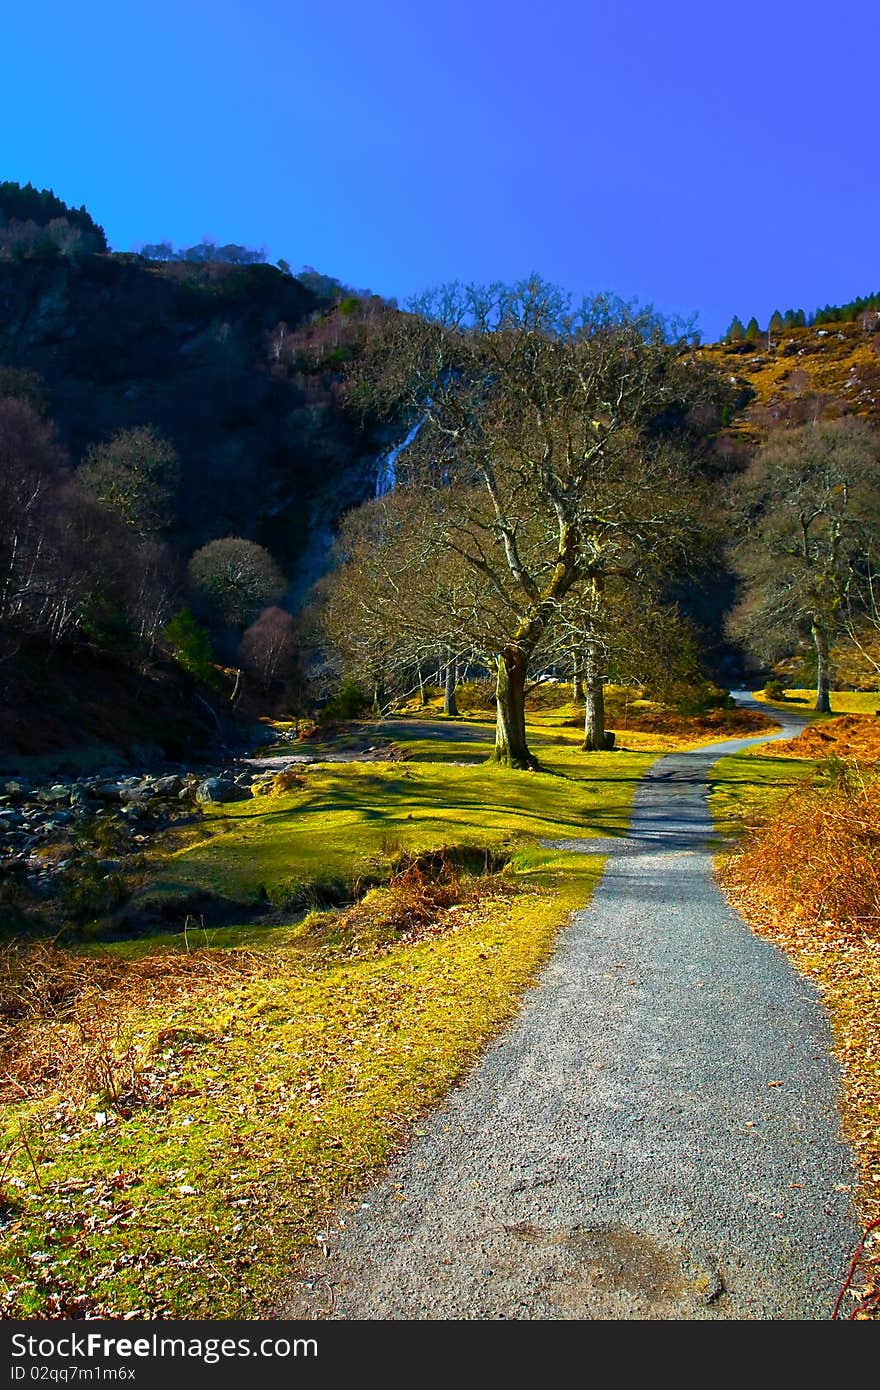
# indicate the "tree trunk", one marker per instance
pixel 823 669
pixel 577 681
pixel 511 749
pixel 451 680
pixel 595 735
pixel 379 697
pixel 421 676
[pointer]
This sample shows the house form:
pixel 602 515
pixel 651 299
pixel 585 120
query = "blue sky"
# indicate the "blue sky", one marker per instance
pixel 705 157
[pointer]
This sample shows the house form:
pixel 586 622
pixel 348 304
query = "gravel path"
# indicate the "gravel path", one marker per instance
pixel 656 1136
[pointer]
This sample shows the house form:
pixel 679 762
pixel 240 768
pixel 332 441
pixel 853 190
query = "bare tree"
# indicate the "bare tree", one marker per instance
pixel 268 648
pixel 810 509
pixel 236 578
pixel 32 468
pixel 550 459
pixel 136 473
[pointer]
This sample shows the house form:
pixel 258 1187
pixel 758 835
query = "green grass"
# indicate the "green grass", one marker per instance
pixel 350 819
pixel 745 785
pixel 842 702
pixel 287 1090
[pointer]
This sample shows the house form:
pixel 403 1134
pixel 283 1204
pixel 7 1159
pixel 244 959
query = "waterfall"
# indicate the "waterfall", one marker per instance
pixel 386 471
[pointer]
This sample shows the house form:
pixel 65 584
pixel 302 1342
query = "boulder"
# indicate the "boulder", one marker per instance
pixel 215 789
pixel 106 791
pixel 51 796
pixel 168 786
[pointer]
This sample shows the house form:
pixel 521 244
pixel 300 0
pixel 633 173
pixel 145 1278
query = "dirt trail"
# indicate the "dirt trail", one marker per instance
pixel 656 1136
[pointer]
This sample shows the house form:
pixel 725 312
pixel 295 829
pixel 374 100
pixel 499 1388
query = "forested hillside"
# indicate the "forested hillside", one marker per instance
pixel 153 405
pixel 219 359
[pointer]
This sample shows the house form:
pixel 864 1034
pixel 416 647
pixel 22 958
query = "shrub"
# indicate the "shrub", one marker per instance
pixel 818 858
pixel 236 579
pixel 349 702
pixel 698 697
pixel 191 647
pixel 476 695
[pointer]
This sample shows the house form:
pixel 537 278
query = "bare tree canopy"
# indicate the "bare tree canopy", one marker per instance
pixel 557 449
pixel 136 473
pixel 810 509
pixel 236 579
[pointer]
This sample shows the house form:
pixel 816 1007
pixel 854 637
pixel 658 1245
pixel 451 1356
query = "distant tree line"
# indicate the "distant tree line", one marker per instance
pixel 327 289
pixel 35 224
pixel 205 252
pixel 797 318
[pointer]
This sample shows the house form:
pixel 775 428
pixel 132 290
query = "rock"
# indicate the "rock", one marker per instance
pixel 130 795
pixel 51 796
pixel 168 786
pixel 215 789
pixel 106 791
pixel 109 866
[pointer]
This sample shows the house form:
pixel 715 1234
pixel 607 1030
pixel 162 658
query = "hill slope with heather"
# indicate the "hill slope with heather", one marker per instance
pixel 803 373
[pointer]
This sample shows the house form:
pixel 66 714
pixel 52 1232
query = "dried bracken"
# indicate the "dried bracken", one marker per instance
pixel 66 1019
pixel 850 736
pixel 809 879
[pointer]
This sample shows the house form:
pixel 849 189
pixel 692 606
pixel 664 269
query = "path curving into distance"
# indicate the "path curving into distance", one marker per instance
pixel 654 1136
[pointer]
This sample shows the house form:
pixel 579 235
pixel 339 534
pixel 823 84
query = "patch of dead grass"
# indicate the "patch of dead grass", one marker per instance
pixel 854 737
pixel 808 878
pixel 66 1019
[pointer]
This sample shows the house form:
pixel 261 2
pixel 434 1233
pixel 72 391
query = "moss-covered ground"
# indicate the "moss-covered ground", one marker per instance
pixel 179 1122
pixel 346 822
pixel 747 786
pixel 842 702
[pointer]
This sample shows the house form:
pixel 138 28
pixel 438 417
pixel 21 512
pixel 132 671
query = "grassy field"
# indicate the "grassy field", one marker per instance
pixel 749 785
pixel 252 1101
pixel 842 702
pixel 346 822
pixel 182 1110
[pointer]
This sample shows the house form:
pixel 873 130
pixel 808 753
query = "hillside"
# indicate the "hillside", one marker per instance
pixel 267 450
pixel 221 370
pixel 822 370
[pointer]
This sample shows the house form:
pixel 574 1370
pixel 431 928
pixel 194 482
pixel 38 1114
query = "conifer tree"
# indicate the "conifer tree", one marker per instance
pixel 735 332
pixel 777 322
pixel 753 332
